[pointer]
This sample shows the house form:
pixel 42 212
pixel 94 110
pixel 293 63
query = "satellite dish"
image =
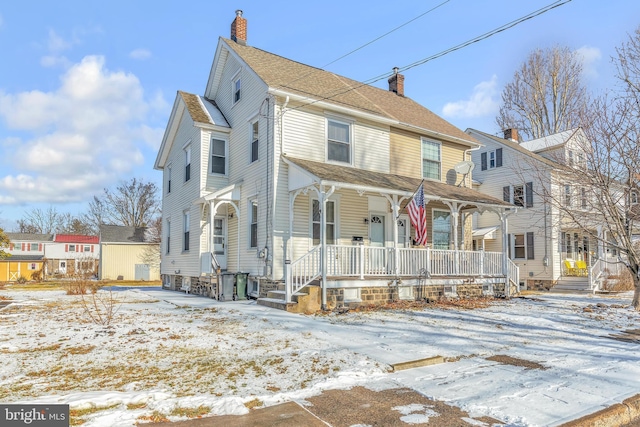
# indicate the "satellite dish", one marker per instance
pixel 464 168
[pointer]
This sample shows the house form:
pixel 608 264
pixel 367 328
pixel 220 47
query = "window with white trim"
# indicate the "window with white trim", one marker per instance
pixel 186 228
pixel 567 195
pixel 522 246
pixel 316 217
pixel 72 248
pixel 33 247
pixel 253 223
pixel 87 248
pixel 431 157
pixel 168 248
pixel 236 86
pixel 218 156
pixel 441 229
pixel 634 198
pixel 33 266
pixel 491 159
pixel 187 163
pixel 338 141
pixel 255 138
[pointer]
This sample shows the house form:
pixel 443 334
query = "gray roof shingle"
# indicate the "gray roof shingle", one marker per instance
pixel 122 234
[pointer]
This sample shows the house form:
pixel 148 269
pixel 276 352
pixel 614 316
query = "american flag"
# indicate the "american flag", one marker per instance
pixel 418 216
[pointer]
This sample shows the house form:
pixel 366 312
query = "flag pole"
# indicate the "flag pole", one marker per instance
pixel 411 198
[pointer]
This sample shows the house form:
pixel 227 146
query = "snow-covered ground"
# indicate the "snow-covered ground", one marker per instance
pixel 167 355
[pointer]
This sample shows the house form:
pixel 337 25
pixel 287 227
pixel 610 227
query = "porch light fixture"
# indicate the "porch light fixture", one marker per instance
pixel 230 215
pixel 177 272
pixel 366 220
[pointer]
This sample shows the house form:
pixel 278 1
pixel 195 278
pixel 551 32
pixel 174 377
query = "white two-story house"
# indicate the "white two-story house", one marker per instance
pixel 536 176
pixel 300 178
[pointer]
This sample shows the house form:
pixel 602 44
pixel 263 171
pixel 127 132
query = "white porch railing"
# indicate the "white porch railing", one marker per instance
pixel 302 271
pixel 360 261
pixel 602 268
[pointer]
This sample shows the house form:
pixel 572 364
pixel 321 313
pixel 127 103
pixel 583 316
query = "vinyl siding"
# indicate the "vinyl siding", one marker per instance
pixel 10 269
pixel 121 259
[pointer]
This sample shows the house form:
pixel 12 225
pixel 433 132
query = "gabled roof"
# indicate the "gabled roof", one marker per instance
pixel 517 147
pixel 20 257
pixel 299 79
pixel 29 237
pixel 202 111
pixel 122 234
pixel 76 238
pixel 346 177
pixel 551 141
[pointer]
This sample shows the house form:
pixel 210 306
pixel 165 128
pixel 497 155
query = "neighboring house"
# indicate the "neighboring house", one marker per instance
pixel 126 255
pixel 27 254
pixel 533 176
pixel 63 254
pixel 275 152
pixel 71 254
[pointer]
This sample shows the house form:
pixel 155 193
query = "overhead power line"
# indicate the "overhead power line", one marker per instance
pixel 481 37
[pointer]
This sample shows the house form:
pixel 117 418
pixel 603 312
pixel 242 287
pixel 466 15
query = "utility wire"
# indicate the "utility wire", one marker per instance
pixel 484 36
pixel 370 42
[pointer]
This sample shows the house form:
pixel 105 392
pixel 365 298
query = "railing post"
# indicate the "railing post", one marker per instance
pixel 362 261
pixel 429 266
pixel 482 255
pixel 288 280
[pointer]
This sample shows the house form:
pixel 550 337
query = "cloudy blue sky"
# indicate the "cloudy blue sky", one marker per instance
pixel 86 87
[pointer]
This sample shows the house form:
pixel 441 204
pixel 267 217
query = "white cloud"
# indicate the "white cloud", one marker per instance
pixel 85 135
pixel 481 102
pixel 590 58
pixel 140 54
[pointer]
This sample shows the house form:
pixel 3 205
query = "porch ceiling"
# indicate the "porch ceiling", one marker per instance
pixel 364 180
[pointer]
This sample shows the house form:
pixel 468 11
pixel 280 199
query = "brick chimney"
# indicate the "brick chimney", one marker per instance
pixel 511 134
pixel 396 82
pixel 239 29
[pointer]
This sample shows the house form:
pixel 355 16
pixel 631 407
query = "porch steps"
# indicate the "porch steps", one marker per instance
pixel 302 302
pixel 578 284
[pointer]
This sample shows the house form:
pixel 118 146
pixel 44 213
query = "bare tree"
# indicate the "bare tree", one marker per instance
pixel 44 221
pixel 546 95
pixel 95 215
pixel 151 254
pixel 133 203
pixel 74 225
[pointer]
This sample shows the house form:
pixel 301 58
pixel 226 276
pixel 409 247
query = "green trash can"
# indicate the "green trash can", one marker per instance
pixel 241 285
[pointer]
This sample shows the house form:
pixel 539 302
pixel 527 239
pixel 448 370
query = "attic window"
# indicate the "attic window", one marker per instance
pixel 236 90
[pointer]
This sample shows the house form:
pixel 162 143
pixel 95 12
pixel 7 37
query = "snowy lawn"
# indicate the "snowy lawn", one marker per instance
pixel 538 360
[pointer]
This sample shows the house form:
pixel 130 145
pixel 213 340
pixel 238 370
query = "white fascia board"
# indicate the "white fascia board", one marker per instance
pixel 169 133
pixel 209 126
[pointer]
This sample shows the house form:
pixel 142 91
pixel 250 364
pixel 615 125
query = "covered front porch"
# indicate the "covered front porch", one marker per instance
pixel 379 249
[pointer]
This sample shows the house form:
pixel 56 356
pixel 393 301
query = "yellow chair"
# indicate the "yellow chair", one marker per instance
pixel 570 269
pixel 581 267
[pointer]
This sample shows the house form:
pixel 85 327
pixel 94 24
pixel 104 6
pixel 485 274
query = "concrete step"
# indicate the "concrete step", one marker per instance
pixel 279 304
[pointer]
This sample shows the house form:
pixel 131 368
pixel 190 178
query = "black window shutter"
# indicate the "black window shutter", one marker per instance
pixel 509 246
pixel 483 161
pixel 529 194
pixel 498 157
pixel 530 254
pixel 506 194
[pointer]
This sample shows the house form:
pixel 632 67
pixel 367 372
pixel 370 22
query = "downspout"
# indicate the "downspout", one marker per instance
pixel 281 144
pixel 464 159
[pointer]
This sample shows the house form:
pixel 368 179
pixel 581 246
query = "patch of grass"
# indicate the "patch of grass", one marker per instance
pixel 255 403
pixel 154 417
pixel 82 349
pixel 134 406
pixel 190 412
pixel 78 416
pixel 51 347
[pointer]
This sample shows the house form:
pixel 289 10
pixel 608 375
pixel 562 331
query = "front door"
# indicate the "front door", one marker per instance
pixel 219 241
pixel 377 257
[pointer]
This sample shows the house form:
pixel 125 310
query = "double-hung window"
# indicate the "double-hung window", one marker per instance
pixel 522 194
pixel 186 227
pixel 168 249
pixel 187 163
pixel 168 179
pixel 522 246
pixel 330 229
pixel 491 159
pixel 441 229
pixel 431 155
pixel 33 247
pixel 253 223
pixel 218 156
pixel 567 195
pixel 255 138
pixel 338 141
pixel 236 85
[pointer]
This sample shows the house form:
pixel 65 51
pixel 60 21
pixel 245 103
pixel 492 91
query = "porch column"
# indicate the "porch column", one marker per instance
pixel 505 252
pixel 395 209
pixel 323 240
